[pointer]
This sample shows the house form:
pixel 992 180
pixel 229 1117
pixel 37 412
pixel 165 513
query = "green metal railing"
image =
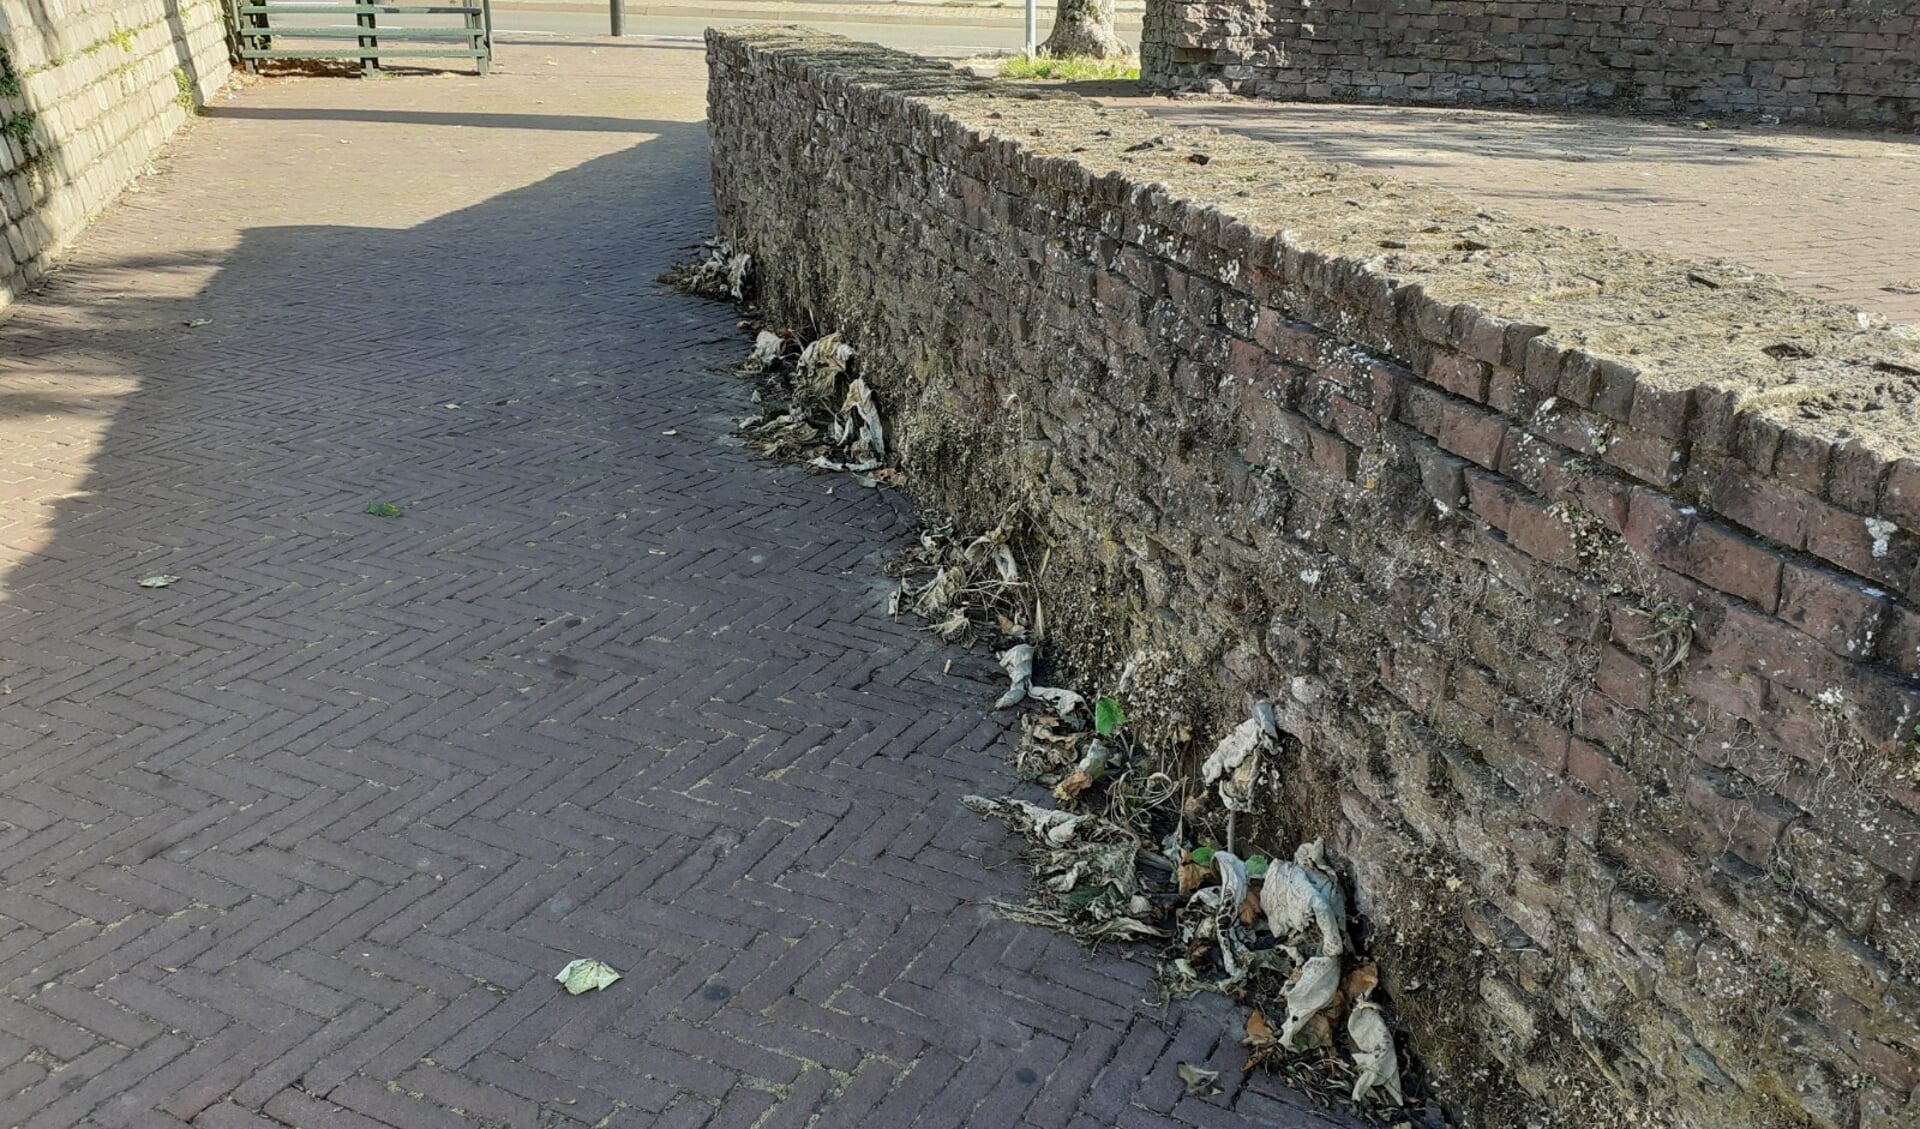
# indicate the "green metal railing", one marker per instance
pixel 459 30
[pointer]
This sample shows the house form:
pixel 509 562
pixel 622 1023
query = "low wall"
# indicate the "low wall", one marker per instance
pixel 1585 579
pixel 92 89
pixel 1838 62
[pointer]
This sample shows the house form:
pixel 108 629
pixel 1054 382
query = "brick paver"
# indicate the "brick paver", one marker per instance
pixel 301 839
pixel 1834 214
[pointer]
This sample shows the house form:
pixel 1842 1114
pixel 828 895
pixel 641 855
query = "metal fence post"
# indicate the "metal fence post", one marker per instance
pixel 1033 30
pixel 367 19
pixel 617 16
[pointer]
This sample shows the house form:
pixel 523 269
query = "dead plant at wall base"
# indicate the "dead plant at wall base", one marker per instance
pixel 719 272
pixel 1127 851
pixel 814 410
pixel 1272 933
pixel 970 588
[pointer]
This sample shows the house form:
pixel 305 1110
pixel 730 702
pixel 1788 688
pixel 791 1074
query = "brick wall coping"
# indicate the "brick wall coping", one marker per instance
pixel 1700 344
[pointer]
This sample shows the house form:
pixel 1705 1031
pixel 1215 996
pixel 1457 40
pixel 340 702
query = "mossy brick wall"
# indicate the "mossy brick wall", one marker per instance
pixel 1585 579
pixel 100 85
pixel 1839 62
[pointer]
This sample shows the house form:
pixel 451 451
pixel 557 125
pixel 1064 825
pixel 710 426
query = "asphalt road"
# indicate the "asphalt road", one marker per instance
pixel 931 30
pixel 940 39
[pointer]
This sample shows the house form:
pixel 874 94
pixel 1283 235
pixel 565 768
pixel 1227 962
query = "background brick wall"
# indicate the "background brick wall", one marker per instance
pixel 1585 579
pixel 1841 62
pixel 102 84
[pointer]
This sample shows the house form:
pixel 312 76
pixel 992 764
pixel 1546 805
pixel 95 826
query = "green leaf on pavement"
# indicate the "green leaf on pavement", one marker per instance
pixel 585 976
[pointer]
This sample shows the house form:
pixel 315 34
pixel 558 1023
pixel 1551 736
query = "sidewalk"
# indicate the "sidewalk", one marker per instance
pixel 301 839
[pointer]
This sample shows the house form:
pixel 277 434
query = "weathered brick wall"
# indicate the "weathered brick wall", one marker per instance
pixel 1586 579
pixel 1841 62
pixel 98 87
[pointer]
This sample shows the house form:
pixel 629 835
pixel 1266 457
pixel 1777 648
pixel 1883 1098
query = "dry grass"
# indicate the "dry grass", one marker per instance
pixel 1034 67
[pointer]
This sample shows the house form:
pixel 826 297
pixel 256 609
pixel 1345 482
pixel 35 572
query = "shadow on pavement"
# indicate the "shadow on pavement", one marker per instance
pixel 350 791
pixel 583 123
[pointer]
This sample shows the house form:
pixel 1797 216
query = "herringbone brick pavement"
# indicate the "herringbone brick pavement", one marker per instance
pixel 301 839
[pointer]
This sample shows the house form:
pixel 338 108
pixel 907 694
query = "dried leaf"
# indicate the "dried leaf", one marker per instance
pixel 1063 702
pixel 1047 727
pixel 1250 908
pixel 1199 1081
pixel 1036 822
pixel 1361 981
pixel 939 593
pixel 859 466
pixel 1018 663
pixel 1069 790
pixel 1192 876
pixel 860 399
pixel 1313 988
pixel 1004 564
pixel 723 274
pixel 1373 1054
pixel 1301 900
pixel 1233 880
pixel 737 275
pixel 1234 762
pixel 766 349
pixel 1259 1031
pixel 1066 880
pixel 822 362
pixel 1318 1033
pixel 1127 927
pixel 1060 833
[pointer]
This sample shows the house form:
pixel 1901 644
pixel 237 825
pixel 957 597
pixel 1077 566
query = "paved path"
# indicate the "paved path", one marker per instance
pixel 1835 215
pixel 301 839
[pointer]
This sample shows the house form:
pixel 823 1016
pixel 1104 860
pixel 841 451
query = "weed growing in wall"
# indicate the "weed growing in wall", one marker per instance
pixel 16 121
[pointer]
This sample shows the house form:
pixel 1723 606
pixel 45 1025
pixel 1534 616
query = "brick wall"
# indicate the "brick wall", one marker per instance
pixel 1585 579
pixel 101 85
pixel 1840 62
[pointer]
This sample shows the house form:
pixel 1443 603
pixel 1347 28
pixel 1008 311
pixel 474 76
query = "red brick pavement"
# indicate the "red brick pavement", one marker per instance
pixel 301 839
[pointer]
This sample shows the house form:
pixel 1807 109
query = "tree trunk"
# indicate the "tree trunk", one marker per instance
pixel 1084 27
